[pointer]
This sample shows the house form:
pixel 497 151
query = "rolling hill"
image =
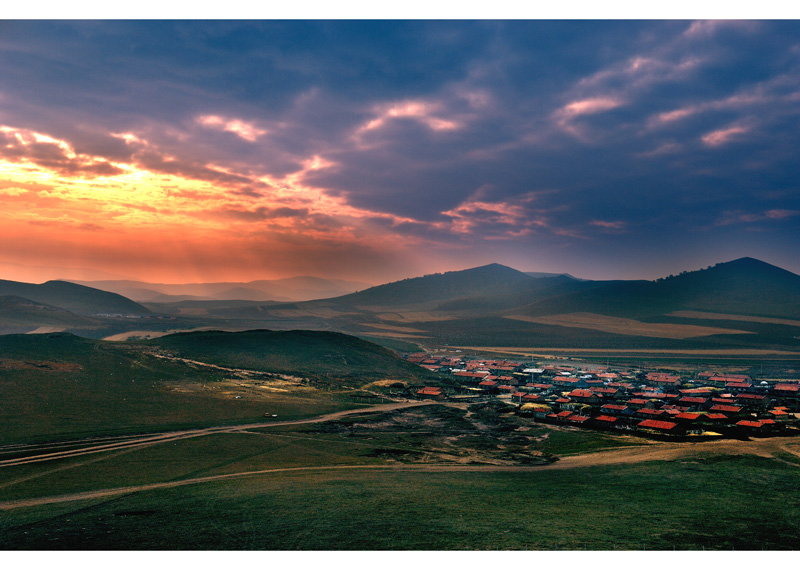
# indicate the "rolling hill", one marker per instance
pixel 74 298
pixel 293 289
pixel 315 354
pixel 493 279
pixel 20 315
pixel 742 286
pixel 59 386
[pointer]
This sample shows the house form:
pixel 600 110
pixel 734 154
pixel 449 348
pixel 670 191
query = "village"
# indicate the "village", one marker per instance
pixel 675 405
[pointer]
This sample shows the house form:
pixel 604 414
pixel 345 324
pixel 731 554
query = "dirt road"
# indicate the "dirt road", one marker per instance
pixel 151 439
pixel 658 452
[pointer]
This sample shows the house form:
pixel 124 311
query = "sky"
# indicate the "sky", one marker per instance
pixel 375 150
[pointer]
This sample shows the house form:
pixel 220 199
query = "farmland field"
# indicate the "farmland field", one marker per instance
pixel 616 325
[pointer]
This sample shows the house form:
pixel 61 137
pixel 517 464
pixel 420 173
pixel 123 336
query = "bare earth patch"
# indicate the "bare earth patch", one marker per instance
pixel 404 329
pixel 614 325
pixel 553 353
pixel 48 330
pixel 733 317
pixel 39 365
pixel 410 317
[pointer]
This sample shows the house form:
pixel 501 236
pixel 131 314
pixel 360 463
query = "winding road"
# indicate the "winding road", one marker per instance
pixel 775 447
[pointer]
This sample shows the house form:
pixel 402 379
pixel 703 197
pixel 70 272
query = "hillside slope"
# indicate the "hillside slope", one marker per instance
pixel 743 286
pixel 20 315
pixel 297 288
pixel 492 279
pixel 74 298
pixel 314 354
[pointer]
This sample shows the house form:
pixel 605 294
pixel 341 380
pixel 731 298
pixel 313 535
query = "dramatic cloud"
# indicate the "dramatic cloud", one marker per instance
pixel 379 150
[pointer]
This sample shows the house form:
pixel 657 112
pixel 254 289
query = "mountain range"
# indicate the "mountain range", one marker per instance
pixel 744 302
pixel 283 290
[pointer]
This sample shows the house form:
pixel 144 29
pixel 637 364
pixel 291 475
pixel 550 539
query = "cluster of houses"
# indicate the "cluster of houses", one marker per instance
pixel 705 403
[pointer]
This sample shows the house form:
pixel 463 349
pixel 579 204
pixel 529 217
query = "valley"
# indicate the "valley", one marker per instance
pixel 480 409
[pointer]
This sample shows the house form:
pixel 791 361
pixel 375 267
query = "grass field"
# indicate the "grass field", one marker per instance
pixel 64 387
pixel 616 325
pixel 733 318
pixel 718 503
pixel 430 477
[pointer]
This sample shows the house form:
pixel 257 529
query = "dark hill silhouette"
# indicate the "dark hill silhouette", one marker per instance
pixel 492 279
pixel 75 298
pixel 297 288
pixel 540 289
pixel 743 286
pixel 20 315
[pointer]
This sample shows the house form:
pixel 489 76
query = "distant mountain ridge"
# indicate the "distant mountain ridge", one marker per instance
pixel 297 288
pixel 75 298
pixel 22 315
pixel 742 286
pixel 491 278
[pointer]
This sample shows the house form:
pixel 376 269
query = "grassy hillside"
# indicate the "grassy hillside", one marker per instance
pixel 314 354
pixel 711 502
pixel 58 386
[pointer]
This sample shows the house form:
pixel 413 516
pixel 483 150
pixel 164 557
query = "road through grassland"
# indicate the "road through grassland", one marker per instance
pixel 154 438
pixel 774 448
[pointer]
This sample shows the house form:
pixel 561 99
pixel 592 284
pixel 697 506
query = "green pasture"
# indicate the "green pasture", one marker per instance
pixel 720 503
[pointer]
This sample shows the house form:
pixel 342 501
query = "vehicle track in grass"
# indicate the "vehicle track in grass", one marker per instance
pixel 156 438
pixel 765 448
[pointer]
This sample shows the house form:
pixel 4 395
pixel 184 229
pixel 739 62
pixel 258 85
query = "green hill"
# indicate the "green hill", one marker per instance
pixel 62 386
pixel 313 354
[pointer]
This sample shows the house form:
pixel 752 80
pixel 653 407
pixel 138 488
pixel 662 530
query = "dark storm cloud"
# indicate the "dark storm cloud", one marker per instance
pixel 571 135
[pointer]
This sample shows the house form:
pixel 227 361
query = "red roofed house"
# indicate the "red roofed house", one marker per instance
pixel 754 426
pixel 738 385
pixel 692 401
pixel 753 400
pixel 650 413
pixel 488 386
pixel 606 421
pixel 608 392
pixel 695 392
pixel 584 396
pixel 779 414
pixel 431 393
pixel 787 389
pixel 726 409
pixel 662 426
pixel 663 378
pixel 562 416
pixel 616 409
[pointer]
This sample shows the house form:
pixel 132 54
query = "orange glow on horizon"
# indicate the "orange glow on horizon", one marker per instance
pixel 67 209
